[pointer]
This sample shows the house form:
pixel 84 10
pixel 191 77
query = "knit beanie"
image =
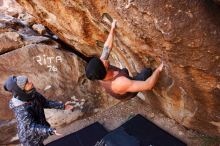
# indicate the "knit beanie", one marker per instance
pixel 21 81
pixel 95 69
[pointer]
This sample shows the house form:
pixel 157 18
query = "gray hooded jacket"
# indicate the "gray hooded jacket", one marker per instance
pixel 32 126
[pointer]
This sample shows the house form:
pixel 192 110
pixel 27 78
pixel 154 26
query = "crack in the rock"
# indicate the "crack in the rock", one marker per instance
pixel 69 48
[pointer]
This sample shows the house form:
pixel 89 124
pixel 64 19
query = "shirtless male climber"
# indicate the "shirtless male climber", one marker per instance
pixel 116 81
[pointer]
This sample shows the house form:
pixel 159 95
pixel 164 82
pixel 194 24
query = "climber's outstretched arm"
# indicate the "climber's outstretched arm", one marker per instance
pixel 108 43
pixel 123 85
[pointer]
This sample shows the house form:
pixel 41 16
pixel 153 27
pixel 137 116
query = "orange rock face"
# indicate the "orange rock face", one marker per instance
pixel 57 74
pixel 183 34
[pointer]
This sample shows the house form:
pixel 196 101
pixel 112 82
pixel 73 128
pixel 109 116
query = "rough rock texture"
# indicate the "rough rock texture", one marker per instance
pixel 10 7
pixel 183 34
pixel 56 73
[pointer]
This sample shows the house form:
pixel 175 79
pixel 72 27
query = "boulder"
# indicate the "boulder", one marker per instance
pixel 182 34
pixel 56 73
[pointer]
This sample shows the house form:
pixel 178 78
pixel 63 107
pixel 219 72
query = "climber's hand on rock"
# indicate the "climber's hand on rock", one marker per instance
pixel 114 24
pixel 68 105
pixel 160 68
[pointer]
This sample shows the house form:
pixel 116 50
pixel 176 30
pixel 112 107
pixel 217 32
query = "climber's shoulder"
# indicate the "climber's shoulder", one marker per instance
pixel 121 84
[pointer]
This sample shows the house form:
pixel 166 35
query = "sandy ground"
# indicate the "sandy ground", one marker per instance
pixel 120 113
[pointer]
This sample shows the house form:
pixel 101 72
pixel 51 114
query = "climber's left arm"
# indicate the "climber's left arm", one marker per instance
pixel 109 42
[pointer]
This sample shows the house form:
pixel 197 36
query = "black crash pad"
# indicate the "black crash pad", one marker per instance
pixel 149 134
pixel 142 129
pixel 87 136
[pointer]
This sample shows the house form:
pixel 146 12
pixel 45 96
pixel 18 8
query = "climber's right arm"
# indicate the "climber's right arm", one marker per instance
pixel 109 42
pixel 123 85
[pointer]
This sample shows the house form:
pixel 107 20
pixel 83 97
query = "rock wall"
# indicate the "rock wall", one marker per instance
pixel 56 73
pixel 184 34
pixel 10 7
